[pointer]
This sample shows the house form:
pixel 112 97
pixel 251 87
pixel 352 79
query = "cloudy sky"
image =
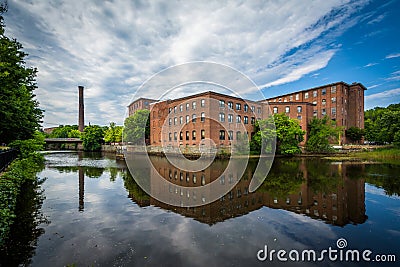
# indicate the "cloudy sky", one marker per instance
pixel 112 47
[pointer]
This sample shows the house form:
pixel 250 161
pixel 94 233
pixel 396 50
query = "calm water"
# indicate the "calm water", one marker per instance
pixel 89 211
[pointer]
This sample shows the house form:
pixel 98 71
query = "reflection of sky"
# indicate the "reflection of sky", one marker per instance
pixel 114 231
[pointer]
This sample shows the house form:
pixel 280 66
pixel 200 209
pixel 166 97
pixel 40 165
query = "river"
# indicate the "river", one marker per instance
pixel 89 211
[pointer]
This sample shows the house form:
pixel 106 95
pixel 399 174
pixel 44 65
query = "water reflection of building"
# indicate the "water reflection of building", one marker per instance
pixel 330 195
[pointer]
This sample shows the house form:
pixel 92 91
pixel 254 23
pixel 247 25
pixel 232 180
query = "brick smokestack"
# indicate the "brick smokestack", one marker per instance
pixel 81 110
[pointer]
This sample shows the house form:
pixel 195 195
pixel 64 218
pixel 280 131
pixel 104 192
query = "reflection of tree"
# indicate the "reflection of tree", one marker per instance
pixel 93 172
pixel 133 188
pixel 387 179
pixel 284 178
pixel 20 246
pixel 322 178
pixel 113 174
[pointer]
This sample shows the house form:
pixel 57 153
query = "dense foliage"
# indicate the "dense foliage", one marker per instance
pixel 113 134
pixel 19 111
pixel 355 134
pixel 382 125
pixel 66 131
pixel 92 138
pixel 321 133
pixel 137 127
pixel 287 133
pixel 21 171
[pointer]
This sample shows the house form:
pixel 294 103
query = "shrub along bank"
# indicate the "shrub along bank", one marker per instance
pixel 21 172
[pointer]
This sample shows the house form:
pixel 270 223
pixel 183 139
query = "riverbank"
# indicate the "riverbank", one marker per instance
pixel 12 180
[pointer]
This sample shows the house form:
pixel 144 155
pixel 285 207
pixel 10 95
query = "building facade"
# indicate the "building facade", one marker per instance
pixel 212 118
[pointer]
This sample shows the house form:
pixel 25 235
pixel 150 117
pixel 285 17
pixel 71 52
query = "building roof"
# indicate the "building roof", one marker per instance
pixel 142 98
pixel 318 87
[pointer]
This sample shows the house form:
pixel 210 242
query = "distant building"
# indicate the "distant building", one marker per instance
pixel 49 130
pixel 223 119
pixel 141 103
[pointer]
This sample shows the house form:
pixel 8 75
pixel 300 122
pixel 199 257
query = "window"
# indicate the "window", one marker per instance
pixel 246 120
pixel 299 117
pixel 175 136
pixel 181 136
pixel 169 110
pixel 253 120
pixel 246 107
pixel 323 112
pixel 187 106
pixel 203 134
pixel 238 119
pixel 170 121
pixel 238 135
pixel 193 135
pixel 230 135
pixel 299 109
pixel 194 178
pixel 253 108
pixel 333 89
pixel 203 179
pixel 315 113
pixel 221 103
pixel 324 91
pixel 323 102
pixel 291 98
pixel 180 120
pixel 275 110
pixel 180 108
pixel 287 109
pixel 170 136
pixel 194 118
pixel 297 97
pixel 203 117
pixel 221 135
pixel 221 117
pixel 187 118
pixel 194 105
pixel 285 100
pixel 202 103
pixel 230 118
pixel 333 111
pixel 175 109
pixel 259 110
pixel 306 95
pixel 314 102
pixel 187 135
pixel 238 106
pixel 333 99
pixel 315 93
pixel 280 100
pixel 230 105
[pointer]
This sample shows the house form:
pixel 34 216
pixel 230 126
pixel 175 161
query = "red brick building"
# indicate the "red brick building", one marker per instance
pixel 210 117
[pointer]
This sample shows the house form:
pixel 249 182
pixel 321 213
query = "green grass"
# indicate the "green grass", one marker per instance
pixel 389 155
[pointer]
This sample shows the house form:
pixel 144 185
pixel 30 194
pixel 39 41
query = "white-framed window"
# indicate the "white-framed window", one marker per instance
pixel 315 93
pixel 221 103
pixel 194 105
pixel 203 117
pixel 222 117
pixel 238 106
pixel 306 95
pixel 287 109
pixel 275 110
pixel 238 118
pixel 194 118
pixel 203 103
pixel 230 118
pixel 246 120
pixel 299 109
pixel 297 97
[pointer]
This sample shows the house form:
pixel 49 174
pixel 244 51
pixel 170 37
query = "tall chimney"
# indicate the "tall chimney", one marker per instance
pixel 81 110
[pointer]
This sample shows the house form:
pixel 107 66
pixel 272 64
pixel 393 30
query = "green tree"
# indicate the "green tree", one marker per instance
pixel 321 132
pixel 137 127
pixel 113 134
pixel 19 110
pixel 29 147
pixel 74 134
pixel 92 138
pixel 65 131
pixel 285 130
pixel 355 134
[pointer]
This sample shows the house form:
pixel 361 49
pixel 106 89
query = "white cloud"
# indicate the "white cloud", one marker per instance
pixel 112 48
pixel 394 55
pixel 386 94
pixel 370 65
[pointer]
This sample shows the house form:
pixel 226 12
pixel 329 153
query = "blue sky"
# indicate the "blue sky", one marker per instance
pixel 112 47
